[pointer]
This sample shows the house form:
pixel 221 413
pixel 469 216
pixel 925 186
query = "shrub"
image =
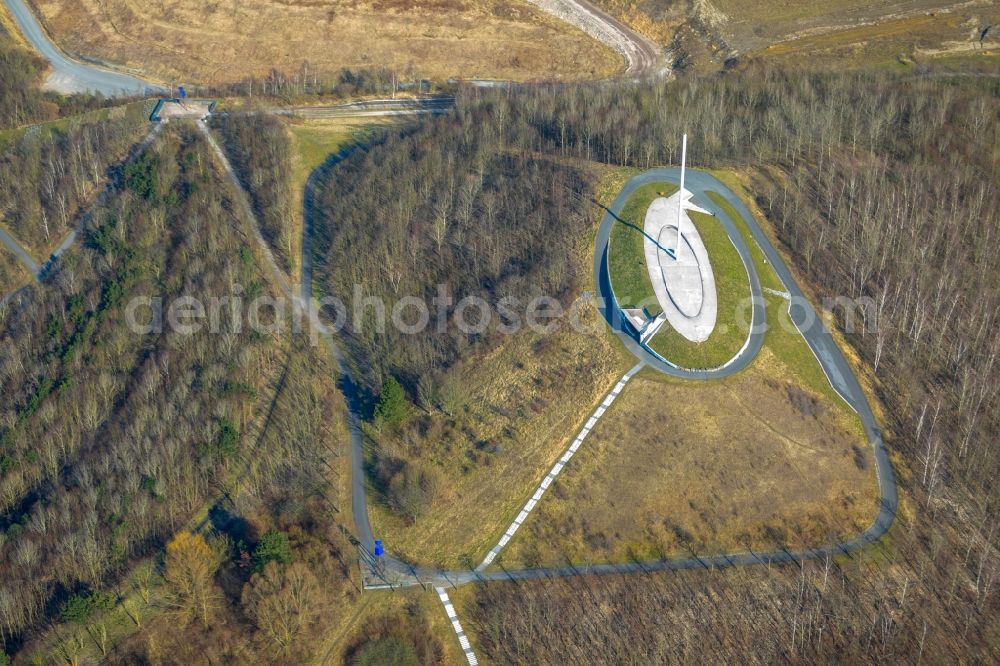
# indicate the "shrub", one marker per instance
pixel 389 650
pixel 273 547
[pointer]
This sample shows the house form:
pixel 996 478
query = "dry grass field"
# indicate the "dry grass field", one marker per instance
pixel 865 29
pixel 840 33
pixel 215 42
pixel 753 461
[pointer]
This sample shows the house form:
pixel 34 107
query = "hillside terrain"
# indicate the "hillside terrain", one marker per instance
pixel 195 465
pixel 213 43
pixel 706 34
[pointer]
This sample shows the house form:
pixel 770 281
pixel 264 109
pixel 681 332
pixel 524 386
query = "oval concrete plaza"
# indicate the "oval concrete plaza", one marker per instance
pixel 684 284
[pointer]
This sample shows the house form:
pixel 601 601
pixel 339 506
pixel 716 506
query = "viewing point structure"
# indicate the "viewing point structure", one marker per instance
pixel 684 283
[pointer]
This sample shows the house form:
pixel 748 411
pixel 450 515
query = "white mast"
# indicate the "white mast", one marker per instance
pixel 680 197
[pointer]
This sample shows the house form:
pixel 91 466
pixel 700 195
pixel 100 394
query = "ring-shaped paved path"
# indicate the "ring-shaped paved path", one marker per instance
pixel 808 322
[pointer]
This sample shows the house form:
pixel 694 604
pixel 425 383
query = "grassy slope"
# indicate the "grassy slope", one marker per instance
pixel 313 142
pixel 626 259
pixel 713 467
pixel 530 396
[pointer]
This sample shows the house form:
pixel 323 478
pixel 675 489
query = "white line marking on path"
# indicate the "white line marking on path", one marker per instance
pixel 558 467
pixel 457 626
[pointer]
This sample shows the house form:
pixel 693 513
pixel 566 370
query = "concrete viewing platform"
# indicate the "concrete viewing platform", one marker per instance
pixel 196 109
pixel 685 285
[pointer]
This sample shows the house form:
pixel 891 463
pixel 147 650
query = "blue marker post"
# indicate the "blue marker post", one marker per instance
pixel 379 549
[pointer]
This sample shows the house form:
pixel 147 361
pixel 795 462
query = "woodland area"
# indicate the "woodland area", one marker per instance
pixel 459 202
pixel 880 187
pixel 260 149
pixel 50 174
pixel 110 438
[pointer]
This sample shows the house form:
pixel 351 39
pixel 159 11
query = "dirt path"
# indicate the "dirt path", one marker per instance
pixel 642 56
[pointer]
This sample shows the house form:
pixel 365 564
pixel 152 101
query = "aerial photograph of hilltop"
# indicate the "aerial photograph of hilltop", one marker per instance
pixel 502 332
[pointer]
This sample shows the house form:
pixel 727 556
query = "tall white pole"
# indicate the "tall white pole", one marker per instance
pixel 680 197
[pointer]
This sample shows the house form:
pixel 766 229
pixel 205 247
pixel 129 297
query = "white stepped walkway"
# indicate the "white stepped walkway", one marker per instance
pixel 558 467
pixel 463 640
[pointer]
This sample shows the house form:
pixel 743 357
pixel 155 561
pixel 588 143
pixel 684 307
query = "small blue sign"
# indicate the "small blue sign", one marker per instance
pixel 379 549
pixel 182 92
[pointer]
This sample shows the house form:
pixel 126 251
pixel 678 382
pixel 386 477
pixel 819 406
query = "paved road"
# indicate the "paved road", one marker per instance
pixel 819 339
pixel 72 76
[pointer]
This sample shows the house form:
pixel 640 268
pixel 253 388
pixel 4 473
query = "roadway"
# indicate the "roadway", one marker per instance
pixel 73 76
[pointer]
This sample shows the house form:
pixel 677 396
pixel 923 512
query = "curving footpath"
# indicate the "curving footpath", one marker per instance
pixel 72 76
pixel 396 573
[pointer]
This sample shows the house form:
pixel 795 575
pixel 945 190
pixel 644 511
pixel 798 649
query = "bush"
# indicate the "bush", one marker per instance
pixel 141 176
pixel 411 490
pixel 389 650
pixel 79 607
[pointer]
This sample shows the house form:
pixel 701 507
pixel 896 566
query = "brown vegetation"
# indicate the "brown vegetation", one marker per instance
pixel 13 274
pixel 110 438
pixel 680 467
pixel 503 418
pixel 213 43
pixel 880 188
pixel 469 210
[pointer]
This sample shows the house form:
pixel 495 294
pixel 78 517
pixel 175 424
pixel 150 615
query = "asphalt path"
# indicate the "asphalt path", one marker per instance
pixel 11 244
pixel 72 76
pixel 400 574
pixel 405 106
